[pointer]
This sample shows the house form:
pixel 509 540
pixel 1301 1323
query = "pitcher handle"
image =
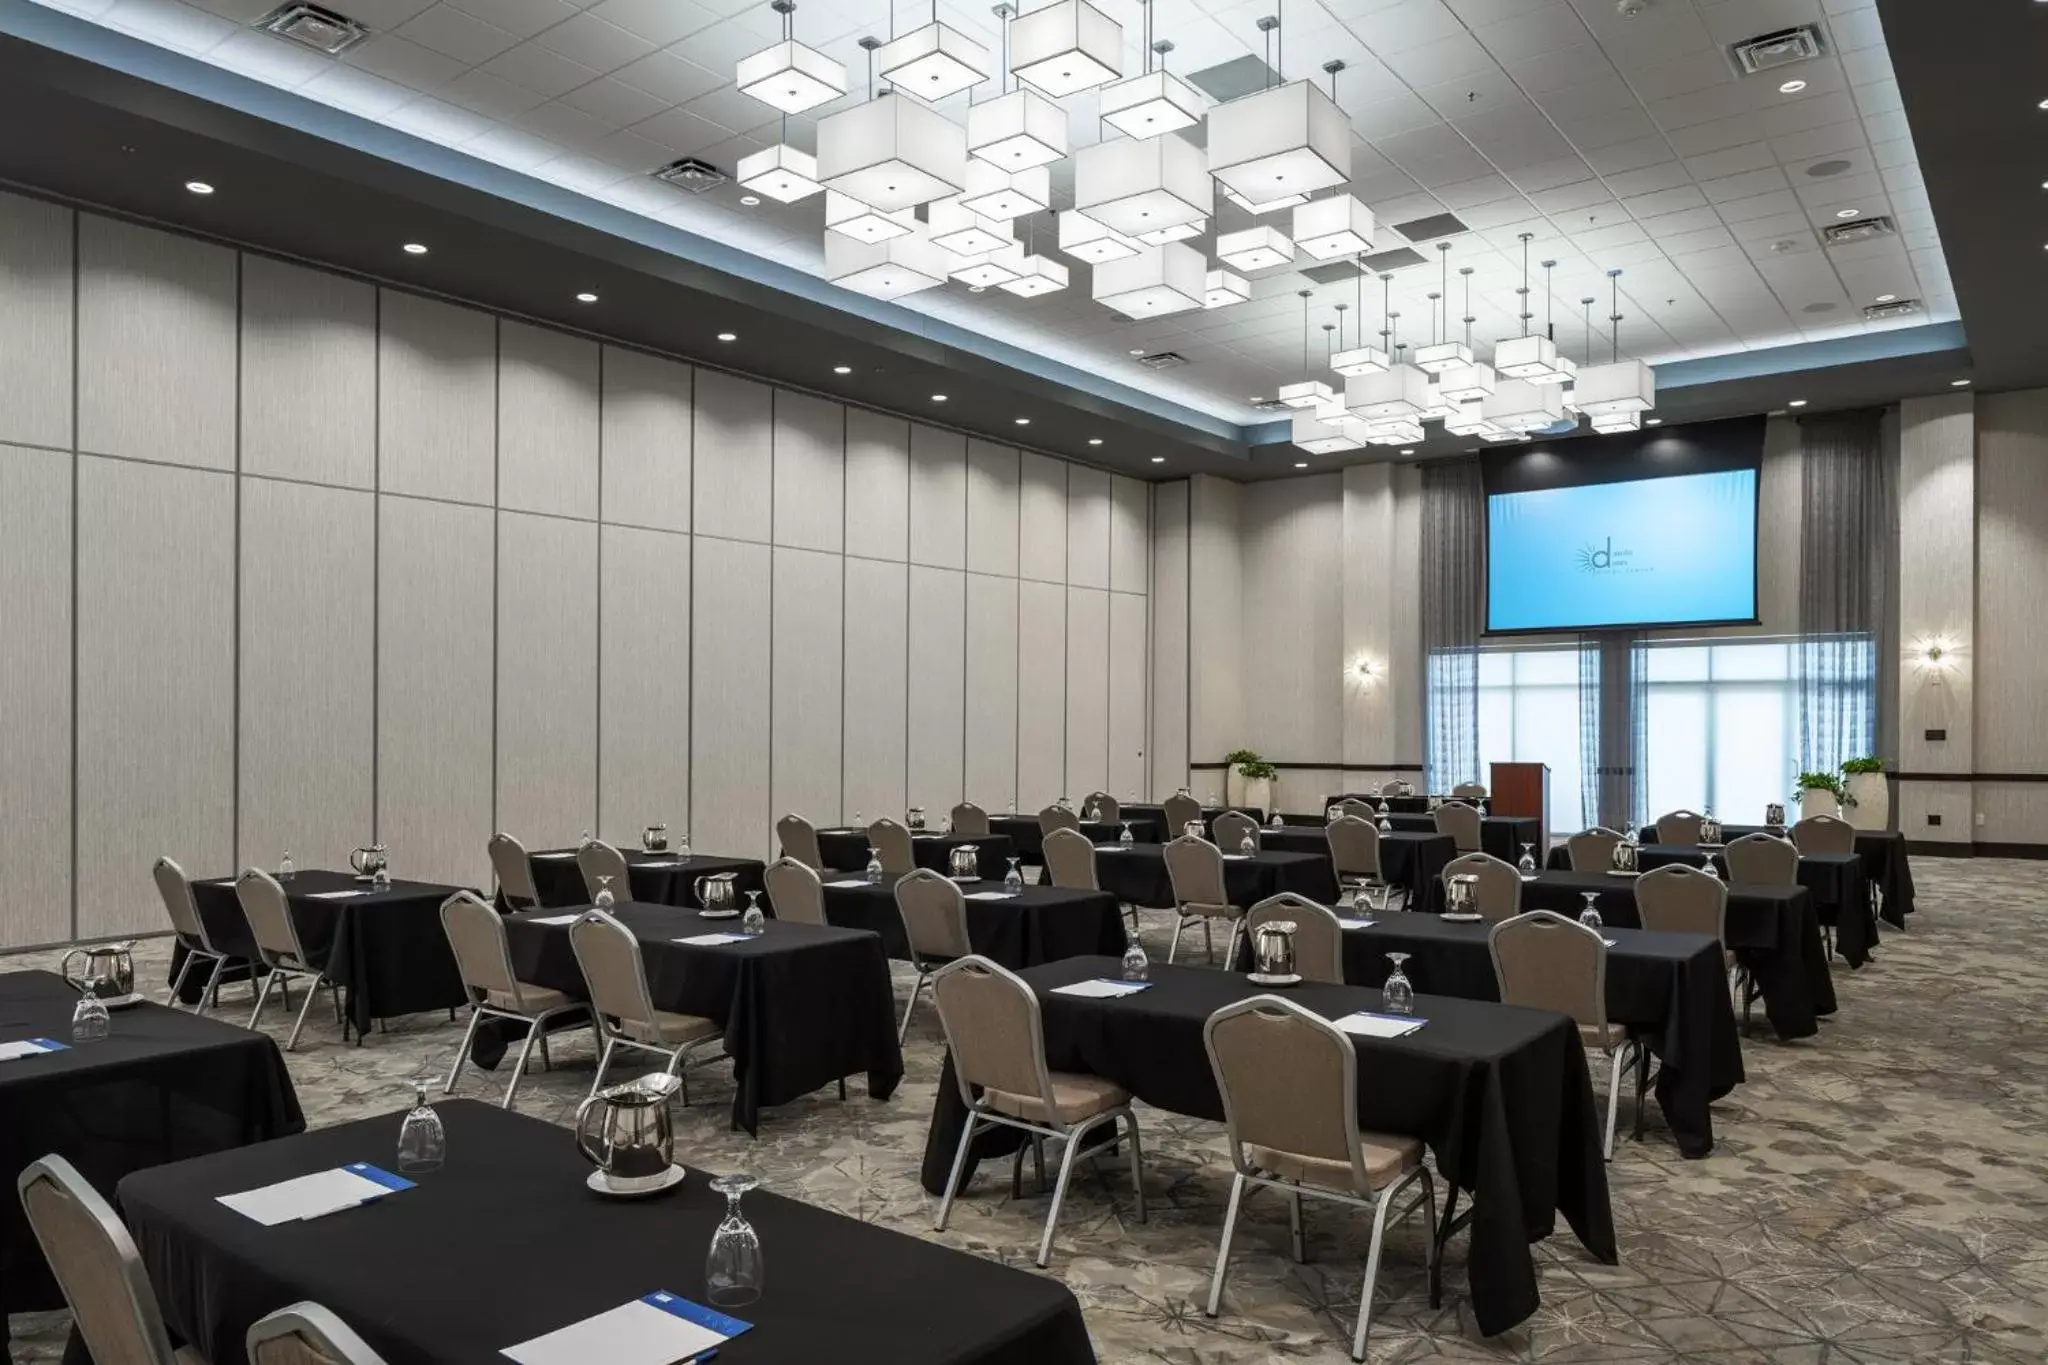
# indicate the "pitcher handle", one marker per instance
pixel 583 1134
pixel 697 888
pixel 64 968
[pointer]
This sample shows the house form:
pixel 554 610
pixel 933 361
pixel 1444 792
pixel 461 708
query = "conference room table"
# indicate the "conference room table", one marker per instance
pixel 1885 864
pixel 1501 1095
pixel 162 1086
pixel 1024 833
pixel 656 878
pixel 1135 874
pixel 1501 835
pixel 1773 930
pixel 384 950
pixel 503 1243
pixel 802 1005
pixel 1670 990
pixel 1037 924
pixel 1399 805
pixel 1156 811
pixel 846 850
pixel 1412 859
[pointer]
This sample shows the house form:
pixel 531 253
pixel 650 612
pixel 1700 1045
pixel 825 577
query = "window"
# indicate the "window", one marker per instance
pixel 1529 713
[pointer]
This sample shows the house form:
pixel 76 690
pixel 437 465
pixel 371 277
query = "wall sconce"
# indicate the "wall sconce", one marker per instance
pixel 1366 672
pixel 1935 657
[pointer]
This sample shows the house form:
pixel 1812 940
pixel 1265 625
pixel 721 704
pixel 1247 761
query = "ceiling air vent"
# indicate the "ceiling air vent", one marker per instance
pixel 1400 258
pixel 1786 47
pixel 1898 308
pixel 1429 229
pixel 692 174
pixel 1862 230
pixel 1163 360
pixel 1270 405
pixel 310 26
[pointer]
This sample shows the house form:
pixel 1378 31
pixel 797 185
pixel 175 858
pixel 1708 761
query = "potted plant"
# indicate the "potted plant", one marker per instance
pixel 1867 793
pixel 1820 794
pixel 1249 781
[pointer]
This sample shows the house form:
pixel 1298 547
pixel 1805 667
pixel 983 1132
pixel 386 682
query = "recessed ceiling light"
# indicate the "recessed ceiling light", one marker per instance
pixel 727 336
pixel 2042 105
pixel 842 369
pixel 1158 459
pixel 1892 298
pixel 1023 421
pixel 1653 421
pixel 938 398
pixel 1301 464
pixel 1094 440
pixel 1791 87
pixel 1958 383
pixel 415 249
pixel 1796 403
pixel 198 187
pixel 586 297
pixel 1137 350
pixel 1847 213
pixel 1407 452
pixel 749 200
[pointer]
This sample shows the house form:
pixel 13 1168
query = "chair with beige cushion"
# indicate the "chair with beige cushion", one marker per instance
pixel 483 959
pixel 1499 889
pixel 1070 860
pixel 1681 899
pixel 597 860
pixel 1544 961
pixel 1180 809
pixel 1056 818
pixel 1355 856
pixel 306 1334
pixel 1318 937
pixel 1195 869
pixel 1679 827
pixel 1824 834
pixel 176 890
pixel 1762 860
pixel 1103 808
pixel 269 912
pixel 1289 1082
pixel 1358 809
pixel 1393 786
pixel 615 978
pixel 1461 822
pixel 94 1261
pixel 934 924
pixel 1231 829
pixel 891 842
pixel 968 818
pixel 997 1042
pixel 514 870
pixel 1592 850
pixel 1472 791
pixel 795 893
pixel 799 840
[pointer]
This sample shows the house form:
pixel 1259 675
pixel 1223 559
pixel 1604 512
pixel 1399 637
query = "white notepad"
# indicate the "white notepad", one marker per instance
pixel 657 1330
pixel 338 895
pixel 658 862
pixel 713 940
pixel 848 883
pixel 1365 1024
pixel 1111 848
pixel 569 918
pixel 992 895
pixel 1356 923
pixel 1101 988
pixel 559 856
pixel 29 1047
pixel 310 1196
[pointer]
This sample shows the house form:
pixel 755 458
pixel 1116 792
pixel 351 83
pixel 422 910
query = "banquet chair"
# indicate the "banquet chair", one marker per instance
pixel 1475 791
pixel 1461 822
pixel 1681 899
pixel 1392 787
pixel 1194 867
pixel 1544 961
pixel 1679 827
pixel 269 912
pixel 799 840
pixel 997 1041
pixel 891 841
pixel 1103 808
pixel 968 818
pixel 934 924
pixel 615 978
pixel 306 1334
pixel 1355 855
pixel 1289 1082
pixel 598 859
pixel 94 1261
pixel 1058 817
pixel 514 871
pixel 1318 937
pixel 1824 834
pixel 1232 828
pixel 795 893
pixel 1070 860
pixel 1500 885
pixel 1358 809
pixel 1180 810
pixel 176 889
pixel 1592 850
pixel 1762 860
pixel 483 960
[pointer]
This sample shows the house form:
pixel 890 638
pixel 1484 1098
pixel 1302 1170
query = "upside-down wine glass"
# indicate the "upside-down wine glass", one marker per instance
pixel 1398 993
pixel 732 1269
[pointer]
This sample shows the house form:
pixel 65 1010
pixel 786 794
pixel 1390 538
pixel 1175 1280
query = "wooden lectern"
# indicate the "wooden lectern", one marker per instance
pixel 1523 789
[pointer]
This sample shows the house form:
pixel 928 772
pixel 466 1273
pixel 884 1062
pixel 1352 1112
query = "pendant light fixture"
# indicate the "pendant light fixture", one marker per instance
pixel 849 217
pixel 933 62
pixel 1155 101
pixel 1398 392
pixel 1066 47
pixel 1086 239
pixel 1523 405
pixel 1258 210
pixel 1285 140
pixel 986 271
pixel 1033 273
pixel 1257 248
pixel 1178 232
pixel 1140 186
pixel 1563 367
pixel 1618 393
pixel 888 269
pixel 1469 381
pixel 964 232
pixel 1442 355
pixel 789 76
pixel 1225 288
pixel 781 172
pixel 1311 394
pixel 1528 356
pixel 1360 359
pixel 1320 437
pixel 1339 225
pixel 1018 129
pixel 994 192
pixel 891 153
pixel 1155 282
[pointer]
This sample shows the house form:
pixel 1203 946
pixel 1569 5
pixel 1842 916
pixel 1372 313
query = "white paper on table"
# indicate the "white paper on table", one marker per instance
pixel 569 918
pixel 1365 1024
pixel 1111 848
pixel 1609 942
pixel 559 856
pixel 658 862
pixel 26 1047
pixel 635 1333
pixel 1102 989
pixel 1344 923
pixel 712 940
pixel 308 1196
pixel 991 895
pixel 337 895
pixel 847 884
pixel 1235 857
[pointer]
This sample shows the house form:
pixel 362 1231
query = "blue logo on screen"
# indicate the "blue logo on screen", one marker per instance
pixel 1604 558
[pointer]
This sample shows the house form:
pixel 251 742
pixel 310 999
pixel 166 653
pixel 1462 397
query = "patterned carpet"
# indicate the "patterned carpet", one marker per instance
pixel 1878 1194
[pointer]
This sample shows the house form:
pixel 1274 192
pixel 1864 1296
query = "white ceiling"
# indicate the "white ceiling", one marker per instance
pixel 1620 143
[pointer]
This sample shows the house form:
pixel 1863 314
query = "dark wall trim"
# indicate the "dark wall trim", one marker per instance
pixel 1320 767
pixel 1930 849
pixel 1970 777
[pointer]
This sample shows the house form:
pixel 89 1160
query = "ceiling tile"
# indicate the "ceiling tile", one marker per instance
pixel 398 59
pixel 1475 94
pixel 1446 59
pixel 1706 239
pixel 571 127
pixel 1516 138
pixel 1759 206
pixel 439 121
pixel 1649 179
pixel 1397 28
pixel 669 78
pixel 1800 115
pixel 379 16
pixel 1717 135
pixel 452 33
pixel 1754 156
pixel 728 108
pixel 1548 175
pixel 480 92
pixel 660 22
pixel 590 41
pixel 1559 69
pixel 1613 159
pixel 267 58
pixel 539 70
pixel 358 92
pixel 614 102
pixel 1566 198
pixel 1665 225
pixel 1536 27
pixel 1664 201
pixel 520 18
pixel 682 133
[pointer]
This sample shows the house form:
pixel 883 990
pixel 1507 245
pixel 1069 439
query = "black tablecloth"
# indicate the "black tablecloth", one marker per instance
pixel 1841 897
pixel 1398 805
pixel 1137 875
pixel 1774 931
pixel 1023 832
pixel 504 1244
pixel 1500 835
pixel 386 950
pixel 164 1085
pixel 1041 924
pixel 1669 989
pixel 1156 812
pixel 1501 1095
pixel 847 850
pixel 658 878
pixel 803 1005
pixel 1885 865
pixel 1413 859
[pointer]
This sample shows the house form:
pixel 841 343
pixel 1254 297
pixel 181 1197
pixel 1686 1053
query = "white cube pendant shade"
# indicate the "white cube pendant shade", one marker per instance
pixel 1468 383
pixel 1608 423
pixel 1337 226
pixel 1065 48
pixel 1313 394
pixel 1291 139
pixel 983 272
pixel 1318 437
pixel 1399 391
pixel 1224 289
pixel 849 217
pixel 781 172
pixel 892 153
pixel 1562 372
pixel 1626 386
pixel 1395 434
pixel 1154 103
pixel 1525 357
pixel 1135 186
pixel 1441 407
pixel 964 232
pixel 1468 420
pixel 1270 206
pixel 1518 405
pixel 1017 131
pixel 1259 248
pixel 1155 282
pixel 1086 239
pixel 1359 360
pixel 933 62
pixel 791 77
pixel 1035 274
pixel 1179 232
pixel 886 270
pixel 994 192
pixel 1443 356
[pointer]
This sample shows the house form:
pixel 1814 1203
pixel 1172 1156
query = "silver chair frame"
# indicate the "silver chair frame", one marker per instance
pixel 479 1010
pixel 330 1333
pixel 615 1037
pixel 198 946
pixel 283 971
pixel 135 1285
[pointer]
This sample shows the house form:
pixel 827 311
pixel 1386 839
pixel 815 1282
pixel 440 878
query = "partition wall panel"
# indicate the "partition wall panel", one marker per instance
pixel 645 430
pixel 643 670
pixel 1087 705
pixel 37 284
pixel 875 623
pixel 730 584
pixel 36 691
pixel 991 758
pixel 308 375
pixel 936 714
pixel 547 677
pixel 1041 693
pixel 547 421
pixel 808 694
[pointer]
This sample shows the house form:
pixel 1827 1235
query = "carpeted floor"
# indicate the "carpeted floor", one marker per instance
pixel 1878 1194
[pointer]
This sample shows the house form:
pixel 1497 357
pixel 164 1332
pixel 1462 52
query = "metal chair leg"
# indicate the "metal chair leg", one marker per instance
pixel 178 981
pixel 262 997
pixel 1059 1194
pixel 1223 1250
pixel 312 993
pixel 909 1008
pixel 519 1070
pixel 1372 1270
pixel 1137 1163
pixel 476 1017
pixel 953 1178
pixel 1296 1240
pixel 1613 1101
pixel 1180 923
pixel 604 1058
pixel 1209 939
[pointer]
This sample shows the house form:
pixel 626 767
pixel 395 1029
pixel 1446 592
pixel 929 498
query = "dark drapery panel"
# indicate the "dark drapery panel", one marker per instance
pixel 1453 612
pixel 1848 518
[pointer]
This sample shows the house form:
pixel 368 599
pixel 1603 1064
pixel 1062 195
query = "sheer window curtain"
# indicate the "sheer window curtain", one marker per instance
pixel 1848 522
pixel 1592 766
pixel 1452 616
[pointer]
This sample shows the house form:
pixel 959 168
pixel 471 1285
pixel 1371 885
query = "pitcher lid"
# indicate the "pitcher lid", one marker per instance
pixel 654 1087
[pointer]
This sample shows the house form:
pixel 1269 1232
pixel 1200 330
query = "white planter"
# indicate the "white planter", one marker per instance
pixel 1249 791
pixel 1817 801
pixel 1873 808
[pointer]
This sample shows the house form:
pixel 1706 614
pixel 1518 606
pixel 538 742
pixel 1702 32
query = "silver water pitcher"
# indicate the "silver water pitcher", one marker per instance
pixel 368 861
pixel 626 1132
pixel 913 819
pixel 963 862
pixel 1710 829
pixel 654 839
pixel 1774 815
pixel 1624 857
pixel 108 971
pixel 1273 948
pixel 717 894
pixel 1461 895
pixel 1193 829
